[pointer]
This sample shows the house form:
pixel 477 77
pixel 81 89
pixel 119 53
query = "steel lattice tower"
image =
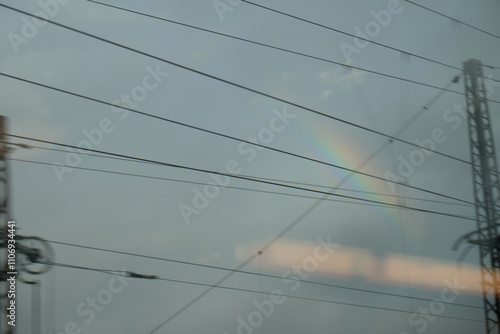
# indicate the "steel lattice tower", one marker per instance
pixel 486 190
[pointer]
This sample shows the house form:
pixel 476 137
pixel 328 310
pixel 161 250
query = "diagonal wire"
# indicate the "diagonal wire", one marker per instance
pixel 492 67
pixel 453 19
pixel 213 76
pixel 250 272
pixel 469 204
pixel 252 190
pixel 297 220
pixel 349 34
pixel 200 170
pixel 275 47
pixel 426 107
pixel 227 82
pixel 257 144
pixel 345 33
pixel 154 277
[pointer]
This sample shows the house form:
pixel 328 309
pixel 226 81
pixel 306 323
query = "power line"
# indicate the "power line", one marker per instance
pixel 200 170
pixel 255 143
pixel 465 319
pixel 249 142
pixel 492 67
pixel 228 187
pixel 203 294
pixel 72 266
pixel 252 190
pixel 453 19
pixel 272 46
pixel 218 78
pixel 348 34
pixel 154 277
pixel 227 82
pixel 424 108
pixel 196 299
pixel 250 272
pixel 465 204
pixel 344 33
pixel 264 44
pixel 199 297
pixel 295 221
pixel 291 225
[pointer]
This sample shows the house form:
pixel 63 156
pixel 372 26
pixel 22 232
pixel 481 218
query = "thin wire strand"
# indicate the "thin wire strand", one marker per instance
pixel 264 146
pixel 468 204
pixel 201 183
pixel 355 171
pixel 293 223
pixel 242 140
pixel 200 170
pixel 191 69
pixel 346 33
pixel 255 91
pixel 227 82
pixel 250 272
pixel 117 273
pixel 349 34
pixel 268 45
pixel 492 67
pixel 242 188
pixel 260 145
pixel 453 19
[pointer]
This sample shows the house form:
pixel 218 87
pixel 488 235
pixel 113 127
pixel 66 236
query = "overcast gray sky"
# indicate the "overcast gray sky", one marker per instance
pixel 217 226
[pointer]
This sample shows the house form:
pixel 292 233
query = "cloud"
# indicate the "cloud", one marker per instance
pixel 326 93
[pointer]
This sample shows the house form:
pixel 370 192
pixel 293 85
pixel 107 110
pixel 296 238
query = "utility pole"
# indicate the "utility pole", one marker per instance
pixel 4 218
pixel 486 191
